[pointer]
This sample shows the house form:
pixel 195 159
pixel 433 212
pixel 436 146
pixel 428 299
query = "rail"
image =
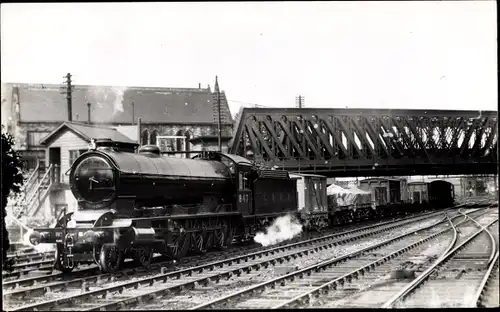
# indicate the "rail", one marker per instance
pixel 211 271
pixel 482 288
pixel 422 277
pixel 251 292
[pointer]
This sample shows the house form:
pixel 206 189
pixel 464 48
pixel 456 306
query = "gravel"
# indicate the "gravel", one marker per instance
pixel 223 288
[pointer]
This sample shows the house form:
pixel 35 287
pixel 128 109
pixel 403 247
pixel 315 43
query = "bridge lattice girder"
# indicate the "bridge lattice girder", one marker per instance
pixel 369 142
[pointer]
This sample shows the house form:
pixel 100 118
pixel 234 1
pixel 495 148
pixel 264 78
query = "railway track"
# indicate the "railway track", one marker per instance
pixel 45 274
pixel 124 293
pixel 299 287
pixel 32 256
pixel 455 278
pixel 487 294
pixel 28 261
pixel 379 285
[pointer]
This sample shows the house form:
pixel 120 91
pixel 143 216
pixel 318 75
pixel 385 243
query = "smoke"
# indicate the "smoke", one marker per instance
pixel 118 104
pixel 41 248
pixel 283 228
pixel 106 102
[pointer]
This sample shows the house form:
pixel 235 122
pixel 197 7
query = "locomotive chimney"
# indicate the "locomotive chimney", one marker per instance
pixel 88 112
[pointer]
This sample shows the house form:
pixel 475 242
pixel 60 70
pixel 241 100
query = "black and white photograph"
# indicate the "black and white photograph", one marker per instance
pixel 249 155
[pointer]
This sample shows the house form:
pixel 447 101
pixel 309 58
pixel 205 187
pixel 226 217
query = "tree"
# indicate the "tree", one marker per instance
pixel 12 180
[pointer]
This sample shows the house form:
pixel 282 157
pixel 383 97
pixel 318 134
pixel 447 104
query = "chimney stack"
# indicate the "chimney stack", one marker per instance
pixel 88 112
pixel 199 85
pixel 133 113
pixel 139 131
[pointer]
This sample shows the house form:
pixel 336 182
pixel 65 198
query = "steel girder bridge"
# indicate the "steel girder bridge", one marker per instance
pixel 367 142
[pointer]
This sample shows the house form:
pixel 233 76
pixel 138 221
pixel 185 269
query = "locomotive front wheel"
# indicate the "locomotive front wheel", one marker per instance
pixel 110 258
pixel 180 247
pixel 59 260
pixel 144 256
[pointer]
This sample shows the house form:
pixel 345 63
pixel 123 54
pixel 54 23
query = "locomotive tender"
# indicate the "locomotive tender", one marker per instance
pixel 134 204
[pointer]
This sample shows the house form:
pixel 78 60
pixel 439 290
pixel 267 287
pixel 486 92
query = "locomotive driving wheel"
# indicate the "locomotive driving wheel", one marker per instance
pixel 59 260
pixel 144 256
pixel 198 242
pixel 220 235
pixel 180 246
pixel 209 235
pixel 110 258
pixel 230 235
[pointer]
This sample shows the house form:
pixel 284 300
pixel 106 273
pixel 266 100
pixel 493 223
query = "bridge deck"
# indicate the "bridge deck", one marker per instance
pixel 354 142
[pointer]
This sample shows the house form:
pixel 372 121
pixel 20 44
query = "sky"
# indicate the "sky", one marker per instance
pixel 440 55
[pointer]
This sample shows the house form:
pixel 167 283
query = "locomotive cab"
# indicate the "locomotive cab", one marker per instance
pixel 241 172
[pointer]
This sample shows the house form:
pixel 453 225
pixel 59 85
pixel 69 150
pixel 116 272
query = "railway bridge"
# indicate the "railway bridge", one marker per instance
pixel 368 142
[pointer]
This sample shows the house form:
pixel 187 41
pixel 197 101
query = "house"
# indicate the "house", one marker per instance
pixel 170 117
pixel 51 192
pixel 65 144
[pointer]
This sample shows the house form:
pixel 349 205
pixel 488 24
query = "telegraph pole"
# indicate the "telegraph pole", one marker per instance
pixel 133 113
pixel 299 101
pixel 68 92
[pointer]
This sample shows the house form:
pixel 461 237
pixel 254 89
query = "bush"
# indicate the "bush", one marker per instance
pixel 12 180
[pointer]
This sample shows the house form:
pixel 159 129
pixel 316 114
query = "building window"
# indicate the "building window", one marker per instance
pixel 145 137
pixel 179 141
pixel 187 143
pixel 74 154
pixel 152 139
pixel 34 137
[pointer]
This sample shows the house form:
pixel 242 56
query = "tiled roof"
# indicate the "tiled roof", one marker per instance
pixel 88 132
pixel 39 103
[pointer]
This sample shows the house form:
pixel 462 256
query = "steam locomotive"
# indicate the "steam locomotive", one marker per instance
pixel 134 204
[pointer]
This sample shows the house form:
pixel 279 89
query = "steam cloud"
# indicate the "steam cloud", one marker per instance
pixel 283 228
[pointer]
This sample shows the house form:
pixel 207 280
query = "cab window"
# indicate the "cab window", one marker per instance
pixel 244 183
